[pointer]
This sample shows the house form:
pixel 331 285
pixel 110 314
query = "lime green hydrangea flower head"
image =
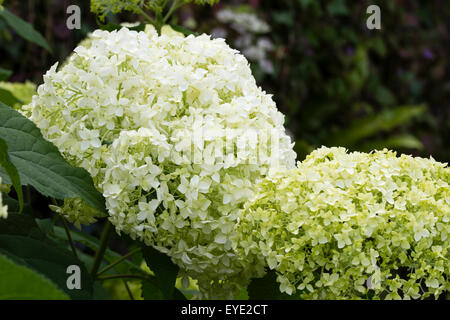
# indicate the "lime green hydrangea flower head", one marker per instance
pixel 353 225
pixel 3 209
pixel 135 109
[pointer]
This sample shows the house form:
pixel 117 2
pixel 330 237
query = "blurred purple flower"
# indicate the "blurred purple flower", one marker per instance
pixel 428 54
pixel 349 51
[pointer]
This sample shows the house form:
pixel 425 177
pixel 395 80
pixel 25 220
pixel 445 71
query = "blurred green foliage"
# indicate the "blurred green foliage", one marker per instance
pixel 341 84
pixel 337 82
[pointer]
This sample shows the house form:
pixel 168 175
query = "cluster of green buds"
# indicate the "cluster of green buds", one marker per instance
pixel 161 10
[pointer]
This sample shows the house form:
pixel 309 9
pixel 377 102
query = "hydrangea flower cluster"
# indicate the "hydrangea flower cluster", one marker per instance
pixel 159 122
pixel 3 209
pixel 353 225
pixel 77 211
pixel 243 21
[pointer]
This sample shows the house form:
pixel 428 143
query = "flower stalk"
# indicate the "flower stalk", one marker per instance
pixel 132 252
pixel 104 241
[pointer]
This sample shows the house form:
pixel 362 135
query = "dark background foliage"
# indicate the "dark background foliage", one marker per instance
pixel 337 82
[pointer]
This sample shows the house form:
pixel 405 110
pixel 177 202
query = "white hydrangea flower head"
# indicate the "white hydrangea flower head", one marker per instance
pixel 3 209
pixel 243 21
pixel 353 226
pixel 136 110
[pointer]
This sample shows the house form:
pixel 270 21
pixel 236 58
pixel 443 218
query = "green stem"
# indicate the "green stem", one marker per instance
pixel 118 261
pixel 66 228
pixel 159 22
pixel 122 276
pixel 164 4
pixel 175 5
pixel 29 196
pixel 104 240
pixel 129 276
pixel 55 218
pixel 69 236
pixel 125 283
pixel 146 16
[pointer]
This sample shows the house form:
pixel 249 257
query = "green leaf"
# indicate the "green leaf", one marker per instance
pixel 21 225
pixel 5 74
pixel 356 77
pixel 22 240
pixel 183 30
pixel 384 96
pixel 40 164
pixel 8 98
pixel 24 29
pixel 405 141
pixel 283 17
pixel 165 270
pixel 100 292
pixel 94 244
pixel 267 288
pixel 22 283
pixel 125 267
pixel 45 225
pixel 178 295
pixel 370 125
pixel 306 3
pixel 11 170
pixel 14 206
pixel 150 291
pixel 337 7
pixel 48 259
